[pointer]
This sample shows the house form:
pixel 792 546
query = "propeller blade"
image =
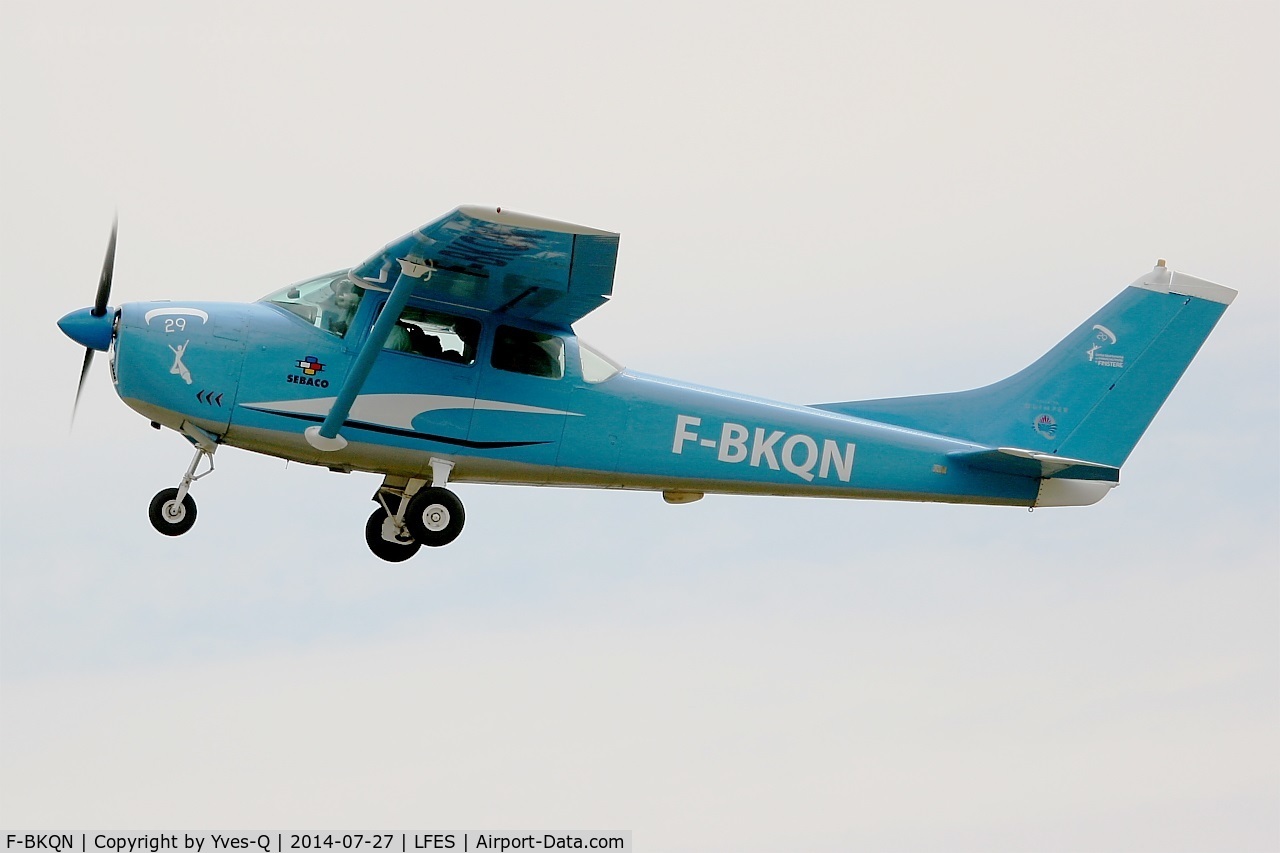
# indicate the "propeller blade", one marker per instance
pixel 104 283
pixel 84 371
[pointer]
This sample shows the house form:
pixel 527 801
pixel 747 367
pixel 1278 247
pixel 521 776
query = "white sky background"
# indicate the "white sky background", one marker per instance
pixel 816 203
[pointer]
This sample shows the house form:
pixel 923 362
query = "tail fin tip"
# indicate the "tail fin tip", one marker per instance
pixel 1161 279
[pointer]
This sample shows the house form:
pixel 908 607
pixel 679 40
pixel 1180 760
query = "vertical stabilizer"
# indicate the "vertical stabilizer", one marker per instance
pixel 1093 395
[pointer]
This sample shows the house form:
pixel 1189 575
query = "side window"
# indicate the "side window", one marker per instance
pixel 531 353
pixel 596 366
pixel 435 335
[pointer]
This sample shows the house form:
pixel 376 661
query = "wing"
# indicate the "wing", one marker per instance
pixel 501 261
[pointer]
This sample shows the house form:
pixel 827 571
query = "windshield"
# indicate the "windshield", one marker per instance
pixel 327 302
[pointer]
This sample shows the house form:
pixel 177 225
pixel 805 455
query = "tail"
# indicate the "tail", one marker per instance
pixel 1093 395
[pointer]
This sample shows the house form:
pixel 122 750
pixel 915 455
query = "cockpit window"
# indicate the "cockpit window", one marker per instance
pixel 596 366
pixel 328 302
pixel 435 335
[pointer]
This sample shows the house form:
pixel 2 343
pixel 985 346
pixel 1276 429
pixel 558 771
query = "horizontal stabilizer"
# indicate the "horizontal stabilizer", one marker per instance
pixel 1032 463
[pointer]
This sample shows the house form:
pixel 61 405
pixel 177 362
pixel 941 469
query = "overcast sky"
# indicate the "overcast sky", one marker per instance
pixel 900 198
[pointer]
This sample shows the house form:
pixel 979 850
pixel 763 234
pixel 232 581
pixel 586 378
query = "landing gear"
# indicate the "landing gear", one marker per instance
pixel 386 541
pixel 435 516
pixel 173 511
pixel 170 514
pixel 411 514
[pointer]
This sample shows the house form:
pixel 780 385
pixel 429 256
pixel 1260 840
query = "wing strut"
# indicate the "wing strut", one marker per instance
pixel 325 436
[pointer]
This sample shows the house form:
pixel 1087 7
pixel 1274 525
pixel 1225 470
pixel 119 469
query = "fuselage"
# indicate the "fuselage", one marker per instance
pixel 450 356
pixel 257 375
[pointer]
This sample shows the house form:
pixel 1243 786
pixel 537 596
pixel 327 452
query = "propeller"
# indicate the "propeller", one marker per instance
pixel 108 268
pixel 84 373
pixel 98 310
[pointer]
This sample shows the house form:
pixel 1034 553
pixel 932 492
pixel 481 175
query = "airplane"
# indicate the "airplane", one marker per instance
pixel 450 356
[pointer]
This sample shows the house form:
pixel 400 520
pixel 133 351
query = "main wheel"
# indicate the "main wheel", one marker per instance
pixel 435 517
pixel 387 543
pixel 169 516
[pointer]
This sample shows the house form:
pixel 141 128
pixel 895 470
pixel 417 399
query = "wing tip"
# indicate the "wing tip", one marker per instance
pixel 499 216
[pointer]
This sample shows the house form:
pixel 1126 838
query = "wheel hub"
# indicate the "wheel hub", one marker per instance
pixel 435 518
pixel 398 535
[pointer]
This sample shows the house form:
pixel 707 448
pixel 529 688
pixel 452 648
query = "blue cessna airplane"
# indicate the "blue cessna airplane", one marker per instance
pixel 450 356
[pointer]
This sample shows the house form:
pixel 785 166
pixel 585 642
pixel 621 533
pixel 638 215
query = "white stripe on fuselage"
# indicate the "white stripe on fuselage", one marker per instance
pixel 398 410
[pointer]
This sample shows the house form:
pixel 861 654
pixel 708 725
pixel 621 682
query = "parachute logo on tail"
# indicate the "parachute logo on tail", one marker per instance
pixel 1105 337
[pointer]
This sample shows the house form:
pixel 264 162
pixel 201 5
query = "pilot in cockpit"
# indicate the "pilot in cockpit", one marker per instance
pixel 340 306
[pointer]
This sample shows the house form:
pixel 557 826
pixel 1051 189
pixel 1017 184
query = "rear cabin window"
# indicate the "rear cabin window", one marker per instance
pixel 531 353
pixel 435 335
pixel 596 366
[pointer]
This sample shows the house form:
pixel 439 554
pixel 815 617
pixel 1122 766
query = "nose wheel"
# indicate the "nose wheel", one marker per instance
pixel 173 511
pixel 170 514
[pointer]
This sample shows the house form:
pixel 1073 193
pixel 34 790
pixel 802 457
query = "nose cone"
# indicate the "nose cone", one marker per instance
pixel 87 330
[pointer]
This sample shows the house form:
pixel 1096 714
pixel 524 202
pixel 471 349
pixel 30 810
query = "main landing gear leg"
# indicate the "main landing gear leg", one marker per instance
pixel 385 532
pixel 173 511
pixel 435 515
pixel 422 515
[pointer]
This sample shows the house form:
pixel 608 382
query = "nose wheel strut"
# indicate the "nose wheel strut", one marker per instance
pixel 173 511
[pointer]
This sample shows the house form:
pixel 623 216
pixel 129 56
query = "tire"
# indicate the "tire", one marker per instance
pixel 435 517
pixel 391 550
pixel 170 517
